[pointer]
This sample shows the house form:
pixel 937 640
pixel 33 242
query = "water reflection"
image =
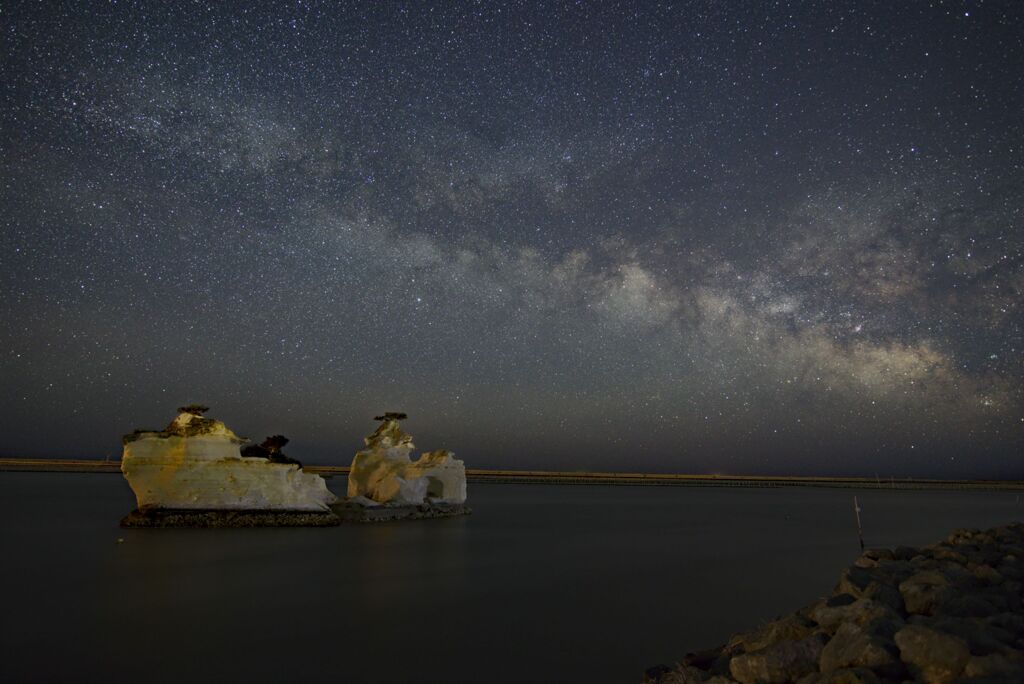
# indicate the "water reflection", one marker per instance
pixel 542 582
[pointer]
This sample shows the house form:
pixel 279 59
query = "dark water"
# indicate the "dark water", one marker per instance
pixel 543 583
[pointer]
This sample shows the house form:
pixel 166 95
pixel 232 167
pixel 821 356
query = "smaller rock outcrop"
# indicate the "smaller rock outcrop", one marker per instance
pixel 384 472
pixel 270 449
pixel 196 464
pixel 949 612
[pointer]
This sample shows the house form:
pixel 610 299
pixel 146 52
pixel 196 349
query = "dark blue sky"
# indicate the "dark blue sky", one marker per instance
pixel 699 237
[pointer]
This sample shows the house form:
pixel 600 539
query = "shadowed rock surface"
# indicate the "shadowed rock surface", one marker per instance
pixel 948 612
pixel 270 449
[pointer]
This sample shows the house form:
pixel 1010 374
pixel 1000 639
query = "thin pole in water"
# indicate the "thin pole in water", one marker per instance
pixel 860 532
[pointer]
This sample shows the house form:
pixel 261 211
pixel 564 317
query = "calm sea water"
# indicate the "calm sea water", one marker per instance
pixel 542 584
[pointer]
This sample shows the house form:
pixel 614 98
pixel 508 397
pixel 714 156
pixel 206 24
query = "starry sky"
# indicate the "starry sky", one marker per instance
pixel 733 237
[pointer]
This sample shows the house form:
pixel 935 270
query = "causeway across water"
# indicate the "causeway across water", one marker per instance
pixel 477 475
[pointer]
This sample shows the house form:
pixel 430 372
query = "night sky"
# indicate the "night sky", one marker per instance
pixel 739 237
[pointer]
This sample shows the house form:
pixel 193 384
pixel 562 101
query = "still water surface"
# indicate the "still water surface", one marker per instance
pixel 542 583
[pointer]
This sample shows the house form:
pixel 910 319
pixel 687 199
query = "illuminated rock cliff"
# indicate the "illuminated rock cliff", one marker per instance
pixel 196 463
pixel 385 472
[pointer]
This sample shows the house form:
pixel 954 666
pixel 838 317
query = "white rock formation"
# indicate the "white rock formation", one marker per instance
pixel 386 473
pixel 195 463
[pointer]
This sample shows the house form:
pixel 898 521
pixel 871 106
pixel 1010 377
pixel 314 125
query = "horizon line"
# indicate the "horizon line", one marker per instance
pixel 509 475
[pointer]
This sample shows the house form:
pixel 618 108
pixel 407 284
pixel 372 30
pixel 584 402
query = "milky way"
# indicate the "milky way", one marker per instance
pixel 692 237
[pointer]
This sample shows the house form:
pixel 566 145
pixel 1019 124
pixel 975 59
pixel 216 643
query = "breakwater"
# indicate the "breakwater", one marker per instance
pixel 480 475
pixel 946 612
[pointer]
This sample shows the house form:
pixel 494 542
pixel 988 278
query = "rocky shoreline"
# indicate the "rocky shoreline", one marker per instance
pixel 228 518
pixel 348 511
pixel 344 511
pixel 947 612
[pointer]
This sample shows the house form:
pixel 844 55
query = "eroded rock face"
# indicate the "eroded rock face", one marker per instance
pixel 196 463
pixel 384 472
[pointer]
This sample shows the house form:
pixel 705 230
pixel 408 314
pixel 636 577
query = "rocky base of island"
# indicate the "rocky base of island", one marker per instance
pixel 228 518
pixel 943 613
pixel 370 512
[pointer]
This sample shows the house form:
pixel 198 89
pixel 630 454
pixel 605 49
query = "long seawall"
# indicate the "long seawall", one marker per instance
pixel 476 476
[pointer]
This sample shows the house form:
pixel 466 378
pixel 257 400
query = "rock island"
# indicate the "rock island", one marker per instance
pixel 194 473
pixel 384 483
